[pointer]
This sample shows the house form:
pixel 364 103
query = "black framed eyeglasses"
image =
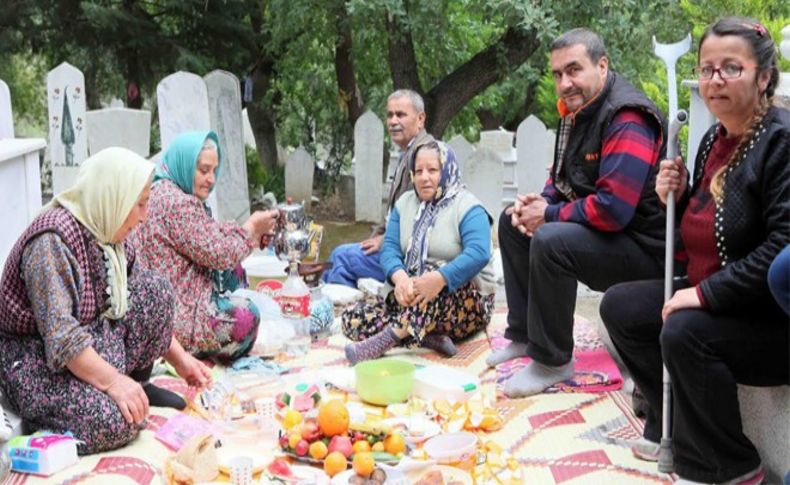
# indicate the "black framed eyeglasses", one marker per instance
pixel 726 72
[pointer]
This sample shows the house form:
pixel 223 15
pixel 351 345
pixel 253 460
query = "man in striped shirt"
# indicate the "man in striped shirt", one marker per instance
pixel 598 219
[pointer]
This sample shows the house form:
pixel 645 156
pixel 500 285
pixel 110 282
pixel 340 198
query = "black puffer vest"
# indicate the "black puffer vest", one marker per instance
pixel 582 157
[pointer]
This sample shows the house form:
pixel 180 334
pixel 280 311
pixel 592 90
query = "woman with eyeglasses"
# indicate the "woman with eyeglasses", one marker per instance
pixel 721 326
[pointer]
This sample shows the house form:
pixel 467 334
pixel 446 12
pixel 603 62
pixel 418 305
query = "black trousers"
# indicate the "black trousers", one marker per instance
pixel 706 355
pixel 541 275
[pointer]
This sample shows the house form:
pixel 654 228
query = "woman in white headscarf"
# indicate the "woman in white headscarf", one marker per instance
pixel 79 327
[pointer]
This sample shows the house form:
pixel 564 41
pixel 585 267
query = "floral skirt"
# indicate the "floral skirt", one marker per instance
pixel 57 400
pixel 234 320
pixel 458 314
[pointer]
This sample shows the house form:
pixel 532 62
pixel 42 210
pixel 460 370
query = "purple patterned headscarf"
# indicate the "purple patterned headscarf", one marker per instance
pixel 449 186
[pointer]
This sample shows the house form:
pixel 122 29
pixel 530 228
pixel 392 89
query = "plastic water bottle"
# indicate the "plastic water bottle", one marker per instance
pixel 295 305
pixel 295 295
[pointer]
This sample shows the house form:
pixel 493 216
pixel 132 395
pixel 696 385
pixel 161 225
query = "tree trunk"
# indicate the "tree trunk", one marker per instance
pixel 261 115
pixel 348 92
pixel 527 107
pixel 485 68
pixel 489 119
pixel 400 54
pixel 131 59
pixel 92 91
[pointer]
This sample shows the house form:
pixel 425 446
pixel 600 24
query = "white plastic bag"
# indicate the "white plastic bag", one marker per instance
pixel 340 294
pixel 274 329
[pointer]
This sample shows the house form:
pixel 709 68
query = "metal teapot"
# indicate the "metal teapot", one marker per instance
pixel 293 245
pixel 292 215
pixel 293 237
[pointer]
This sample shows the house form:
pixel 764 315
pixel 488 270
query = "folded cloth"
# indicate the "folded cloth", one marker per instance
pixel 258 365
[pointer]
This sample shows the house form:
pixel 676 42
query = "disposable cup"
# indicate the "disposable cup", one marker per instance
pixel 266 409
pixel 241 470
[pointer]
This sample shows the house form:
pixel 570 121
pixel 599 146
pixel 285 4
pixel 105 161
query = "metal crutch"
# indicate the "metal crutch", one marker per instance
pixel 669 53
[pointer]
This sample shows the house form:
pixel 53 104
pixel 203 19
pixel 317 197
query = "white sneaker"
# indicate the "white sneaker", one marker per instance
pixel 645 450
pixel 5 426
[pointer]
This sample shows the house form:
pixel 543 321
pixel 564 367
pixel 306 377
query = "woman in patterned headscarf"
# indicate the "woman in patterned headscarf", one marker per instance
pixel 437 254
pixel 80 323
pixel 199 255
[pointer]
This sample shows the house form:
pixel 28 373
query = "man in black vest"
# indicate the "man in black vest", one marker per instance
pixel 598 219
pixel 406 126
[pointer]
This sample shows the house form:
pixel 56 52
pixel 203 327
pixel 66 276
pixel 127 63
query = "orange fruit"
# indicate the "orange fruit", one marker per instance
pixel 333 418
pixel 364 464
pixel 361 446
pixel 378 446
pixel 318 450
pixel 335 463
pixel 394 444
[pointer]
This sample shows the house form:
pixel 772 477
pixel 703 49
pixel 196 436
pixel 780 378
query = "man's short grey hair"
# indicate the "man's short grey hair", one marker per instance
pixel 209 145
pixel 586 37
pixel 414 97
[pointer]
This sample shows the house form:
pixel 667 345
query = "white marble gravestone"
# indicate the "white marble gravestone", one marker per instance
pixel 501 143
pixel 463 149
pixel 182 99
pixel 484 179
pixel 119 127
pixel 368 161
pixel 224 102
pixel 249 137
pixel 6 113
pixel 20 188
pixel 700 119
pixel 535 152
pixel 68 140
pixel 299 169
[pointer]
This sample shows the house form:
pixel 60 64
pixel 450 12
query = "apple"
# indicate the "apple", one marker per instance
pixel 311 431
pixel 342 444
pixel 283 441
pixel 302 447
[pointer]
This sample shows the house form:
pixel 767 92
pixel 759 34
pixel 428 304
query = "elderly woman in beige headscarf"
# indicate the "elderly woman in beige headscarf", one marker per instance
pixel 80 327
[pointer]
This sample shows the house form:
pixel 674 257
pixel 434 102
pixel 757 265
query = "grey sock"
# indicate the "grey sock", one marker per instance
pixel 535 378
pixel 372 348
pixel 512 351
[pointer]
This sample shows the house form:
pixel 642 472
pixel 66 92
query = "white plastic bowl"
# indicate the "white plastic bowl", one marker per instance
pixel 454 449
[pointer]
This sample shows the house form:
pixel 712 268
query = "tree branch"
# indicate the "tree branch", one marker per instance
pixel 485 68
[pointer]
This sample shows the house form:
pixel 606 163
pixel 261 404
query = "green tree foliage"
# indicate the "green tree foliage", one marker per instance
pixel 316 66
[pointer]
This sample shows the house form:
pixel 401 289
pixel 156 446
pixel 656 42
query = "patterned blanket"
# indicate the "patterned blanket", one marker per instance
pixel 575 434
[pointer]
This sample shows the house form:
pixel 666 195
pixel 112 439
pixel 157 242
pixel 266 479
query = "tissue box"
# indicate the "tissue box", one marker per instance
pixel 42 453
pixel 440 382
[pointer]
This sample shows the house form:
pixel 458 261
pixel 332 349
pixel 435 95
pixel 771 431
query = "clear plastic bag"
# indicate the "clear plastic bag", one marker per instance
pixel 275 330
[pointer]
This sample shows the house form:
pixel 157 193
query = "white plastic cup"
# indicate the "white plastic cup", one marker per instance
pixel 241 470
pixel 266 409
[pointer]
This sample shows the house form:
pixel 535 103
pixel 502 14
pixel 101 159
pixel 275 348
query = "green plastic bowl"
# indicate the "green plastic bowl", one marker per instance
pixel 384 381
